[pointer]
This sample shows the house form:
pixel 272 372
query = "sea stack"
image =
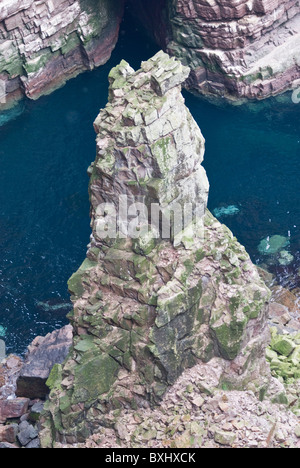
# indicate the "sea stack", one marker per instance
pixel 150 304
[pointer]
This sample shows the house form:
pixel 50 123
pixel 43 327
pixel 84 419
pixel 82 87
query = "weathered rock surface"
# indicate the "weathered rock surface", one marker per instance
pixel 18 423
pixel 42 354
pixel 147 307
pixel 241 49
pixel 23 388
pixel 11 409
pixel 8 433
pixel 193 416
pixel 42 44
pixel 236 49
pixel 194 413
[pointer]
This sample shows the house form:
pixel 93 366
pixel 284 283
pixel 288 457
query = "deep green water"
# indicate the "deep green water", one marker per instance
pixel 252 160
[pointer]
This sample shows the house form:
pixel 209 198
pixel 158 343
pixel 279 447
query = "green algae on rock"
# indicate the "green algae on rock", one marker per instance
pixel 148 307
pixel 283 355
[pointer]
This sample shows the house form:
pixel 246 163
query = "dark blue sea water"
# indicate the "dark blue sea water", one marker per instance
pixel 252 160
pixel 44 204
pixel 253 163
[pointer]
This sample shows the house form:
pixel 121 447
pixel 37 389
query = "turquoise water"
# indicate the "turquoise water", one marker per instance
pixel 253 164
pixel 252 161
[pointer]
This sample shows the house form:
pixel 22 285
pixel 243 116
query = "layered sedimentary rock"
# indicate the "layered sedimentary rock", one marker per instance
pixel 236 49
pixel 151 302
pixel 42 44
pixel 240 49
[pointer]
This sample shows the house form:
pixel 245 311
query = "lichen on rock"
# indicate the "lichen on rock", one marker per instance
pixel 151 302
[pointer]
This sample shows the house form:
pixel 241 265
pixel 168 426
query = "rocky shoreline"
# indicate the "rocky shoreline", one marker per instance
pixel 237 51
pixel 193 413
pixel 23 388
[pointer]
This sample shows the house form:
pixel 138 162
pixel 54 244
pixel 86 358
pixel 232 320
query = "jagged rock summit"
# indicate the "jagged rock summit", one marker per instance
pixel 150 303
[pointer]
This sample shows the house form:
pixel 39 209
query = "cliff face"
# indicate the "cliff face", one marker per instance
pixel 236 49
pixel 42 44
pixel 240 49
pixel 148 302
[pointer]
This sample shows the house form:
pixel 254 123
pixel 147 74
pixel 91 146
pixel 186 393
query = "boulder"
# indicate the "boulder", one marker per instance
pixel 11 409
pixel 26 433
pixel 284 355
pixel 283 346
pixel 41 357
pixel 8 433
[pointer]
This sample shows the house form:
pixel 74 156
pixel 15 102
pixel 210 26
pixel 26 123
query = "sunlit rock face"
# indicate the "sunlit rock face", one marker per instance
pixel 235 49
pixel 151 302
pixel 42 44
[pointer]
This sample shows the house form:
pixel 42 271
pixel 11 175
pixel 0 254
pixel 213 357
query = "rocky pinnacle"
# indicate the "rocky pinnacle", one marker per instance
pixel 151 303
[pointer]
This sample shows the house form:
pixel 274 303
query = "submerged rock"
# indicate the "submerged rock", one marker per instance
pixel 151 302
pixel 48 306
pixel 274 251
pixel 229 210
pixel 11 114
pixel 285 258
pixel 273 245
